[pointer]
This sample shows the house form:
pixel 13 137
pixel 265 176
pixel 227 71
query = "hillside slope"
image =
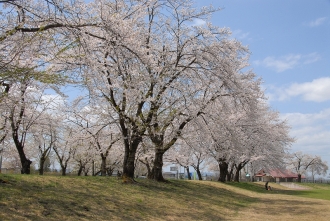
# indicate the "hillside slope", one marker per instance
pixel 33 197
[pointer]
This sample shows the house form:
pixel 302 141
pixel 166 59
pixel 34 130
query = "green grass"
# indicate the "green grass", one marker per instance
pixel 33 197
pixel 316 191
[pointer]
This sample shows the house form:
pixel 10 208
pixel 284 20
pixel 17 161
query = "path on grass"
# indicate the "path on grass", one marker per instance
pixel 294 186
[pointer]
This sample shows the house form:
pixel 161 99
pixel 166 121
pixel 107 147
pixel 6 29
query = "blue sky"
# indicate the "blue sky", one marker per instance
pixel 289 43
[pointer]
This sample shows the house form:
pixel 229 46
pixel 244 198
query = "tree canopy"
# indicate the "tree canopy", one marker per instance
pixel 154 86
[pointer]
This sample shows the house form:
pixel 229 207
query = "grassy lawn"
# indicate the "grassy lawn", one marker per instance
pixel 316 191
pixel 33 197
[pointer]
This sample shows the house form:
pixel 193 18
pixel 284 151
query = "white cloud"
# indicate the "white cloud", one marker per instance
pixel 53 100
pixel 289 61
pixel 317 22
pixel 282 64
pixel 311 131
pixel 302 121
pixel 198 22
pixel 239 34
pixel 318 90
pixel 311 58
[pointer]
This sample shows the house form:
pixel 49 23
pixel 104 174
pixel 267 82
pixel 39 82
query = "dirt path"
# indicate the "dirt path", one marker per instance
pixel 294 186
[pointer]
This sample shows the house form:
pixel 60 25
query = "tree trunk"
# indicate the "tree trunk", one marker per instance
pixel 188 173
pixel 41 165
pixel 129 159
pixel 26 166
pixel 149 170
pixel 80 170
pixel 110 171
pixel 223 166
pixel 63 168
pixel 24 161
pixel 199 174
pixel 299 178
pixel 81 167
pixel 93 168
pixel 157 170
pixel 238 169
pixel 0 161
pixel 25 169
pixel 230 174
pixel 103 165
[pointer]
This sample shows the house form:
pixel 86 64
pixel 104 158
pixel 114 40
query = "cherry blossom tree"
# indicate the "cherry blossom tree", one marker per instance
pixel 25 55
pixel 181 155
pixel 193 71
pixel 24 105
pixel 4 127
pixel 97 128
pixel 155 70
pixel 243 134
pixel 266 138
pixel 319 167
pixel 10 157
pixel 145 156
pixel 138 76
pixel 191 150
pixel 112 69
pixel 44 137
pixel 35 19
pixel 153 79
pixel 83 156
pixel 301 163
pixel 65 147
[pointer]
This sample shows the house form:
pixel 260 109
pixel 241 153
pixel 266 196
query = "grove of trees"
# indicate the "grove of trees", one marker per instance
pixel 147 85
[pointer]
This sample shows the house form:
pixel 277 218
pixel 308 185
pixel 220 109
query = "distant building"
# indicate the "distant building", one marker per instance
pixel 276 175
pixel 169 175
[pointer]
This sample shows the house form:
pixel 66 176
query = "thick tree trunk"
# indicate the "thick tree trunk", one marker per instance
pixel 25 169
pixel 63 169
pixel 223 166
pixel 299 178
pixel 129 160
pixel 157 170
pixel 24 161
pixel 129 165
pixel 103 165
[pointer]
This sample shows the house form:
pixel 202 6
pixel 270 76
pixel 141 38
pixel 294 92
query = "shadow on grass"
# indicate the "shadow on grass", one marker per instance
pixel 102 198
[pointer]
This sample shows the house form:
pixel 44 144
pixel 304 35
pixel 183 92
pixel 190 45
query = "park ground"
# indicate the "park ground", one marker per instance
pixel 33 197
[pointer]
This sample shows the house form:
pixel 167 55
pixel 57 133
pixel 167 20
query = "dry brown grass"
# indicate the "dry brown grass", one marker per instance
pixel 103 198
pixel 280 205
